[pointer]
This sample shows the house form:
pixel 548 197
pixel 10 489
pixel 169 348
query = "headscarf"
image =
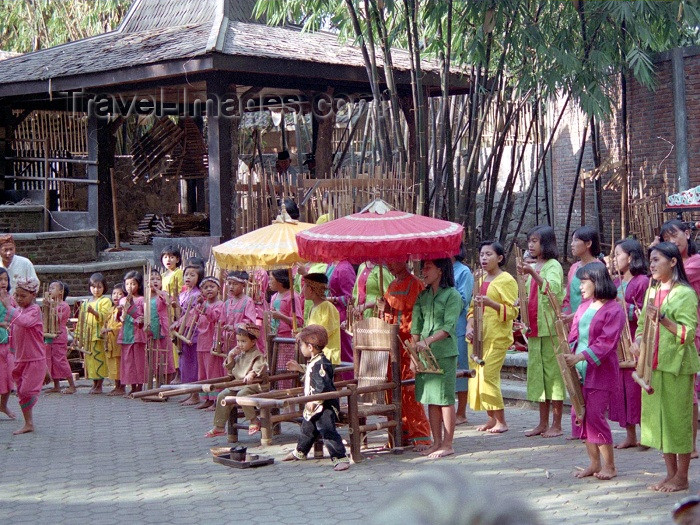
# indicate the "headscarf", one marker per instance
pixel 31 285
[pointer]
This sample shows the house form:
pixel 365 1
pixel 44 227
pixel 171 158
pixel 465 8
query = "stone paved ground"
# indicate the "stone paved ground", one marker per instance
pixel 123 461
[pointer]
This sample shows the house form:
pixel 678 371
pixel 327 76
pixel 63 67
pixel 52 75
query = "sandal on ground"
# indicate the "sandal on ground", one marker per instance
pixel 253 429
pixel 214 433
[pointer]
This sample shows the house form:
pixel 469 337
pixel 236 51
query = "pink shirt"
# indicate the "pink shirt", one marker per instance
pixel 206 325
pixel 129 317
pixel 692 270
pixel 27 334
pixel 239 310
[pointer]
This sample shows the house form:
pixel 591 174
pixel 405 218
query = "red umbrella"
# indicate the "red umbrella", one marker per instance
pixel 380 234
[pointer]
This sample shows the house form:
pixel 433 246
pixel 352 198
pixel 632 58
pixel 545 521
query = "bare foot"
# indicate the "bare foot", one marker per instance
pixel 204 404
pixel 539 429
pixel 486 426
pixel 441 453
pixel 499 428
pixel 210 408
pixel 461 420
pixel 694 454
pixel 627 443
pixel 24 430
pixel 116 392
pixel 657 486
pixel 9 413
pixel 606 473
pixel 590 471
pixel 421 447
pixel 426 452
pixel 552 432
pixel 69 390
pixel 54 390
pixel 189 402
pixel 96 391
pixel 674 485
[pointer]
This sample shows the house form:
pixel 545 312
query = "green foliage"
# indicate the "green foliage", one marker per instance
pixel 29 25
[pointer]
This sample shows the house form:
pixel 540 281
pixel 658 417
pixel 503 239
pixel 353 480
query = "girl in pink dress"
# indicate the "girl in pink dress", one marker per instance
pixel 7 358
pixel 57 347
pixel 131 336
pixel 27 338
pixel 163 361
pixel 209 366
pixel 281 323
pixel 594 336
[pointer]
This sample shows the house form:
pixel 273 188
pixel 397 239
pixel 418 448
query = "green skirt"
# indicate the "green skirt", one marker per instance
pixel 438 389
pixel 667 414
pixel 544 381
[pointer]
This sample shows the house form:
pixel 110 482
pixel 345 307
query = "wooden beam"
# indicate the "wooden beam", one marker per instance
pixel 221 176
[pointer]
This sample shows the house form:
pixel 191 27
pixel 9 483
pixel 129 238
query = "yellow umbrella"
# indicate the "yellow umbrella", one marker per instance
pixel 271 247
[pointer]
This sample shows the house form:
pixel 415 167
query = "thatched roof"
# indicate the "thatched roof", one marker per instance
pixel 167 38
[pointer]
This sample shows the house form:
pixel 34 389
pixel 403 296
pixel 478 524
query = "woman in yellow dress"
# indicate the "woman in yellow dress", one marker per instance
pixel 497 294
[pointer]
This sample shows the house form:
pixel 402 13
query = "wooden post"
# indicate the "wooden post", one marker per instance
pixel 99 142
pixel 47 199
pixel 220 169
pixel 680 118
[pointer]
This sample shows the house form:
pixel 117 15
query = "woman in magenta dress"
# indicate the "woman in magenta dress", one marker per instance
pixel 632 285
pixel 595 334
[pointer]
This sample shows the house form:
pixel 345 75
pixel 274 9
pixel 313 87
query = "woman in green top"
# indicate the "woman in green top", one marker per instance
pixel 434 325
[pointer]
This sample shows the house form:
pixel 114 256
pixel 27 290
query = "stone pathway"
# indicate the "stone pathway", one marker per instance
pixel 122 461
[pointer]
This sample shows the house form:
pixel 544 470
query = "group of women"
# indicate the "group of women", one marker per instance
pixel 596 309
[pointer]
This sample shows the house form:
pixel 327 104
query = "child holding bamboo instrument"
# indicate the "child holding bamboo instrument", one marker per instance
pixel 544 381
pixel 163 365
pixel 131 336
pixel 320 417
pixel 281 319
pixel 667 414
pixel 173 281
pixel 113 350
pixel 7 358
pixel 209 365
pixel 631 285
pixel 189 298
pixel 244 363
pixel 595 334
pixel 27 336
pixel 95 311
pixel 496 298
pixel 238 308
pixel 57 347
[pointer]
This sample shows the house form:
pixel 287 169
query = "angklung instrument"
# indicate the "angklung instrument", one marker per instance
pixel 49 314
pixel 218 348
pixel 570 375
pixel 645 363
pixel 477 346
pixel 523 292
pixel 188 321
pixel 423 358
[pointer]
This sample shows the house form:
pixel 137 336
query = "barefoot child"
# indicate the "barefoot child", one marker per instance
pixel 188 352
pixel 57 348
pixel 96 311
pixel 667 414
pixel 27 335
pixel 173 281
pixel 7 358
pixel 209 366
pixel 163 366
pixel 595 334
pixel 320 417
pixel 499 291
pixel 113 350
pixel 632 286
pixel 544 382
pixel 246 363
pixel 131 336
pixel 434 325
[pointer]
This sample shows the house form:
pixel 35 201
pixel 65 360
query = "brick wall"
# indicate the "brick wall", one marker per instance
pixel 77 277
pixel 58 247
pixel 21 219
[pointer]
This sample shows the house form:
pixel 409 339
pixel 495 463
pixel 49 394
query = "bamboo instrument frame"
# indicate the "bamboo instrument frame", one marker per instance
pixel 49 314
pixel 188 323
pixel 423 359
pixel 645 363
pixel 624 349
pixel 216 349
pixel 569 374
pixel 477 346
pixel 523 292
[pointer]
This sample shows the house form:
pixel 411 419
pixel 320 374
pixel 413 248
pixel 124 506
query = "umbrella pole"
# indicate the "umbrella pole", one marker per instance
pixel 294 308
